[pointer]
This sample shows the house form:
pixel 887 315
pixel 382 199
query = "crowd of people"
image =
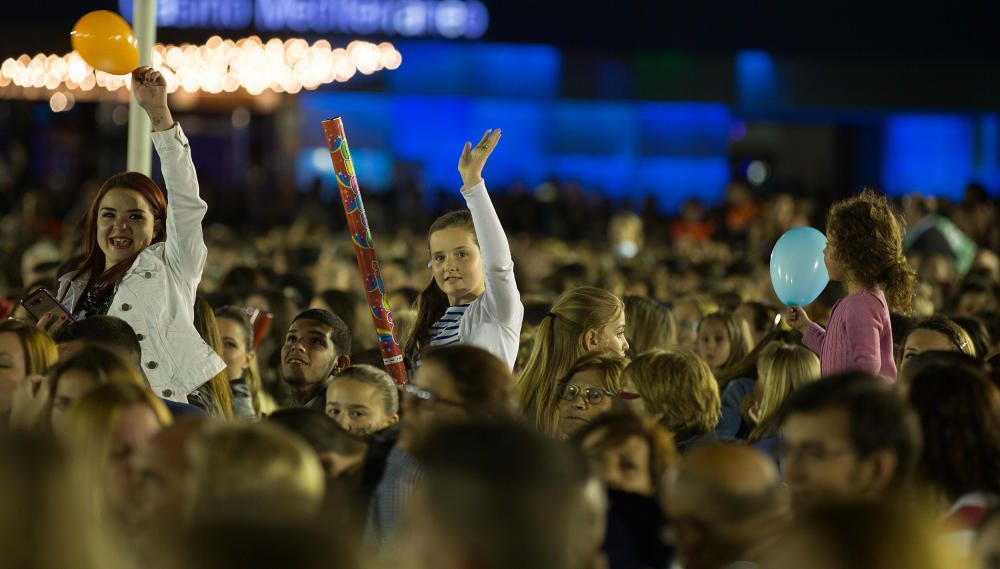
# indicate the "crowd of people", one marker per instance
pixel 629 394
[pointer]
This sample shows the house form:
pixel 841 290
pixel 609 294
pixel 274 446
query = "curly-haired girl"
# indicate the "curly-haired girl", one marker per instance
pixel 865 252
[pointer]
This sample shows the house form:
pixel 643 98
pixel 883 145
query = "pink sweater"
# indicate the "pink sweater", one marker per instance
pixel 858 336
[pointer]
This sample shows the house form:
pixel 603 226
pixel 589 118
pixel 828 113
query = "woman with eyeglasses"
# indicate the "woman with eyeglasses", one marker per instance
pixel 587 390
pixel 453 384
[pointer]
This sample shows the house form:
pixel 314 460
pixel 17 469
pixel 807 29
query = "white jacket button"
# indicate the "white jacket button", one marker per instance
pixel 167 392
pixel 148 275
pixel 126 307
pixel 151 365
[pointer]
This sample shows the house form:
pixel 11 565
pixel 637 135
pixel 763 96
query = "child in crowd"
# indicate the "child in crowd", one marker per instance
pixel 362 400
pixel 865 252
pixel 723 342
pixel 472 297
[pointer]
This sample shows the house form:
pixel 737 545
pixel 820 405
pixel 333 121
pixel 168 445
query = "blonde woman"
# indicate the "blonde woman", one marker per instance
pixel 214 396
pixel 582 320
pixel 676 387
pixel 103 431
pixel 24 351
pixel 782 369
pixel 648 325
pixel 589 389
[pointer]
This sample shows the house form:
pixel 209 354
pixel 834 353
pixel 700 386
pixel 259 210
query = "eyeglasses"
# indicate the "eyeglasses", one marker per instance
pixel 427 397
pixel 591 395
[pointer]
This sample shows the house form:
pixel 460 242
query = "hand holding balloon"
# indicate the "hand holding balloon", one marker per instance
pixel 797 318
pixel 150 90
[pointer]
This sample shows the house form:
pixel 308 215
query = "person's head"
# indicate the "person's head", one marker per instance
pixel 688 312
pixel 865 246
pixel 128 214
pixel 986 545
pixel 317 346
pixel 83 372
pixel 106 331
pixel 493 495
pixel 781 370
pixel 676 388
pixel 363 399
pixel 632 452
pixel 24 350
pixel 239 544
pixel 760 318
pixel 723 499
pixel 978 333
pixel 104 429
pixel 874 534
pixel 342 303
pixel 340 453
pixel 164 478
pixel 723 341
pixel 587 390
pixel 453 384
pixel 254 472
pixel 456 270
pixel 582 320
pixel 959 415
pixel 236 333
pixel 975 296
pixel 937 334
pixel 648 325
pixel 846 437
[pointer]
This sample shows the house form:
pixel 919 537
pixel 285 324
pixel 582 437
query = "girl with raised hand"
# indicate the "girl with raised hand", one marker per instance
pixel 865 252
pixel 472 297
pixel 144 256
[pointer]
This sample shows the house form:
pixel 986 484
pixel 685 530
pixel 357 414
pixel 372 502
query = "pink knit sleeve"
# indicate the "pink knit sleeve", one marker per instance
pixel 813 337
pixel 863 327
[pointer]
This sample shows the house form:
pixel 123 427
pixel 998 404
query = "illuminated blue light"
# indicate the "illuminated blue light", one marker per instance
pixel 928 153
pixel 757 81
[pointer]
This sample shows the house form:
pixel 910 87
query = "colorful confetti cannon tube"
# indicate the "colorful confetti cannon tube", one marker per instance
pixel 364 249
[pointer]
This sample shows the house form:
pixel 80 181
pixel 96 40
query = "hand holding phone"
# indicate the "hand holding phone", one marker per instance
pixel 49 313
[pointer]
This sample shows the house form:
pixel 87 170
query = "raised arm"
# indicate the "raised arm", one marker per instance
pixel 185 246
pixel 502 299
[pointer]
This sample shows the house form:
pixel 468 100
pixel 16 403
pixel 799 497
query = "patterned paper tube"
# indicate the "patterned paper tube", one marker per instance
pixel 364 249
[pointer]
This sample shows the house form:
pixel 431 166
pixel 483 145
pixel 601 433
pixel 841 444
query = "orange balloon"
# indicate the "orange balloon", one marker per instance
pixel 105 41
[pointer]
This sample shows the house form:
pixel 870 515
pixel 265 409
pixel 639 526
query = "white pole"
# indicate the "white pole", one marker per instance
pixel 140 149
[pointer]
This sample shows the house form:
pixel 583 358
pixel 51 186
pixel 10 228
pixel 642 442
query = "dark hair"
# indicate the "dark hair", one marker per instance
pixel 508 495
pixel 237 315
pixel 978 333
pixel 947 327
pixel 879 419
pixel 482 379
pixel 256 545
pixel 433 302
pixel 960 416
pixel 868 239
pixel 535 311
pixel 107 331
pixel 93 259
pixel 240 281
pixel 321 432
pixel 939 361
pixel 341 334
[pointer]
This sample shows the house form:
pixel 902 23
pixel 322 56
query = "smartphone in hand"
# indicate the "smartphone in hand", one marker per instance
pixel 42 302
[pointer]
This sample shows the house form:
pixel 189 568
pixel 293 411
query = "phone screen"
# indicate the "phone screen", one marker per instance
pixel 41 302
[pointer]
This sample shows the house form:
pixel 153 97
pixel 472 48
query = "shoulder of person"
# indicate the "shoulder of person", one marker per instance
pixel 868 299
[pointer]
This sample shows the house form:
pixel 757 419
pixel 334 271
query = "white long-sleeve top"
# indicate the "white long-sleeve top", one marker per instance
pixel 492 321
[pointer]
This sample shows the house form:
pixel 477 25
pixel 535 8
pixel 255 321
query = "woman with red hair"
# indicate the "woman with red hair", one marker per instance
pixel 143 256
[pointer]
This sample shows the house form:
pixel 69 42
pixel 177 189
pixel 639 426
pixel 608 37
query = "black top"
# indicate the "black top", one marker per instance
pixel 96 301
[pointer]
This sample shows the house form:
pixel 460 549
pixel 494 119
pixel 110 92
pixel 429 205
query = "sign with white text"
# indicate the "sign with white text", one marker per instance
pixel 409 18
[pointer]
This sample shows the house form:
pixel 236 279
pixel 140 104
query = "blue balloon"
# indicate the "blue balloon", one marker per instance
pixel 798 271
